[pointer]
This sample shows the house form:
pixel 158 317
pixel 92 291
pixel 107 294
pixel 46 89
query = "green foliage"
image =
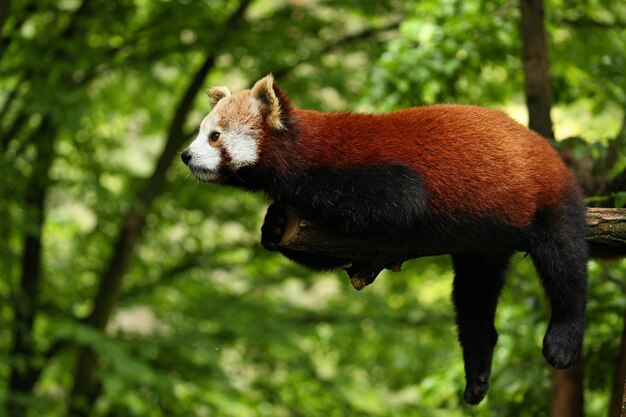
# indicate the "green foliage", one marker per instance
pixel 443 56
pixel 206 322
pixel 579 27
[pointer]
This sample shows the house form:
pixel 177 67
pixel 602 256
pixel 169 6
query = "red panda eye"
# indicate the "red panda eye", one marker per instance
pixel 214 136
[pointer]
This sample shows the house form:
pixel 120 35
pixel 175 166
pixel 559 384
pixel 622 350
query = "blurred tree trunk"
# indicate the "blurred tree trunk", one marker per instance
pixel 24 372
pixel 567 384
pixel 618 393
pixel 567 391
pixel 5 6
pixel 85 388
pixel 536 67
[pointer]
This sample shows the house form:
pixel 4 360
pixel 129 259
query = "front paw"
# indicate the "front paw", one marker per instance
pixel 273 226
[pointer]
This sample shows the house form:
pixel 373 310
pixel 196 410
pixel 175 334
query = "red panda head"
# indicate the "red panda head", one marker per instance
pixel 231 136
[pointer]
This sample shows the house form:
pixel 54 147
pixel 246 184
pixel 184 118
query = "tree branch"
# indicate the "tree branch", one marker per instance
pixel 607 232
pixel 369 256
pixel 362 35
pixel 588 22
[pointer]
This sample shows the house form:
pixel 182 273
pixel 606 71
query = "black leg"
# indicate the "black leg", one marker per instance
pixel 559 252
pixel 562 267
pixel 272 231
pixel 478 282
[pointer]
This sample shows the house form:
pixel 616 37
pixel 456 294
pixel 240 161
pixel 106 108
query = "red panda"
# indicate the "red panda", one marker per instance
pixel 450 173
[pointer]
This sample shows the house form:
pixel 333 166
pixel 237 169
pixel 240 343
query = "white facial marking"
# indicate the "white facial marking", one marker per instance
pixel 237 140
pixel 241 147
pixel 205 159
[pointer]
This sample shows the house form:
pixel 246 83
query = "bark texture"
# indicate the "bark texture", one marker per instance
pixel 536 72
pixel 606 237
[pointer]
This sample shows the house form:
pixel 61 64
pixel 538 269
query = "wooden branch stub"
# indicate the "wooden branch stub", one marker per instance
pixel 362 275
pixel 369 256
pixel 607 232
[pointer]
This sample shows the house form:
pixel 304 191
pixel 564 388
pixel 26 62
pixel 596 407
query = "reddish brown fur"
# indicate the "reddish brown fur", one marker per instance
pixel 477 169
pixel 471 159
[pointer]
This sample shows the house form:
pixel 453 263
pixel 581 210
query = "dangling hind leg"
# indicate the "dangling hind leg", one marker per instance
pixel 559 252
pixel 478 280
pixel 562 267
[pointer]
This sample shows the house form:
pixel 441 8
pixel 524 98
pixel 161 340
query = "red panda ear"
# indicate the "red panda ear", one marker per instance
pixel 216 94
pixel 263 92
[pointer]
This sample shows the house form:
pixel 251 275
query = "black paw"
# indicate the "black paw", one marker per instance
pixel 273 227
pixel 476 390
pixel 562 344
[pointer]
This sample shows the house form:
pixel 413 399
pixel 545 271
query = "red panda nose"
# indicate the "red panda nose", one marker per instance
pixel 186 156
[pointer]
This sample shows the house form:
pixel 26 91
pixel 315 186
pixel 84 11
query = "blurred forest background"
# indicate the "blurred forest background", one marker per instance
pixel 129 289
